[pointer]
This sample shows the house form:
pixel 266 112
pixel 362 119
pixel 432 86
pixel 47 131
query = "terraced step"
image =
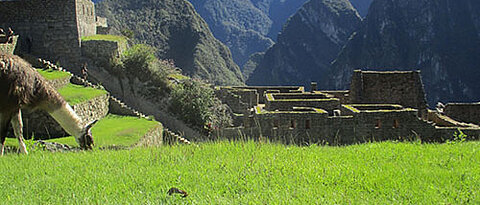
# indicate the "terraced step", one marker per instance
pixel 116 131
pixel 92 102
pixel 56 78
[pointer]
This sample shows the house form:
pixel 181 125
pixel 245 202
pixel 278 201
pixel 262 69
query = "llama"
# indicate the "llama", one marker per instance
pixel 23 87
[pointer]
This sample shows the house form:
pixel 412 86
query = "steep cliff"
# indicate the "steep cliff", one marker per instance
pixel 361 6
pixel 309 42
pixel 441 38
pixel 178 32
pixel 246 26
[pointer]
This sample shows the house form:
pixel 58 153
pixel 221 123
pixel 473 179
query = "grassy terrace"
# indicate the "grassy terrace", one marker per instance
pixel 53 74
pixel 75 94
pixel 116 130
pixel 111 130
pixel 249 173
pixel 101 37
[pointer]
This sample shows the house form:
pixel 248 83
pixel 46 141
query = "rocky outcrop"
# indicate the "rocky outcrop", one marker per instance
pixel 309 42
pixel 440 38
pixel 246 26
pixel 178 33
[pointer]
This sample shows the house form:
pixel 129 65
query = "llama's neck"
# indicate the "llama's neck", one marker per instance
pixel 69 120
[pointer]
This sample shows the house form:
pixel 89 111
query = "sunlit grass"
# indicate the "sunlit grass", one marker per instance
pixel 249 173
pixel 116 130
pixel 113 130
pixel 53 74
pixel 75 94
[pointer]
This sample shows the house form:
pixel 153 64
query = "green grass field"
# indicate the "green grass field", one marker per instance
pixel 249 173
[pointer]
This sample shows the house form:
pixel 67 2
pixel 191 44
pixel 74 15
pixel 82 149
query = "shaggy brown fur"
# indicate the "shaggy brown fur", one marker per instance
pixel 22 87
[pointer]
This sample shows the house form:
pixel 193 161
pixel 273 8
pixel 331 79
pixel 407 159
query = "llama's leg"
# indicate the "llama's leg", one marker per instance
pixel 3 131
pixel 17 125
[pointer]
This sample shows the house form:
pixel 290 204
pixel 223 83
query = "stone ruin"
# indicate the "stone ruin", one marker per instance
pixel 52 29
pixel 379 106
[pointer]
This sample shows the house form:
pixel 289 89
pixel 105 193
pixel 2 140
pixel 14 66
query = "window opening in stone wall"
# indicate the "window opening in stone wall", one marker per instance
pixel 292 124
pixel 396 124
pixel 307 124
pixel 378 124
pixel 275 124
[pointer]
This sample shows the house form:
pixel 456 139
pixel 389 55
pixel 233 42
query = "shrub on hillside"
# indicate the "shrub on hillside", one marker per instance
pixel 140 61
pixel 192 101
pixel 195 103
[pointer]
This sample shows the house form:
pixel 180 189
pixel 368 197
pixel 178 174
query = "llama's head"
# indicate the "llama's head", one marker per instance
pixel 86 139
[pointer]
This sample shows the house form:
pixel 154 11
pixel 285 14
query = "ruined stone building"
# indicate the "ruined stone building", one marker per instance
pixel 378 106
pixel 50 29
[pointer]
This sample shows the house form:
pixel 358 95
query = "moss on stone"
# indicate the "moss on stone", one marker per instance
pixel 351 108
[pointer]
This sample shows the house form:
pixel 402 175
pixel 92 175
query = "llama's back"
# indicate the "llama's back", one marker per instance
pixel 22 86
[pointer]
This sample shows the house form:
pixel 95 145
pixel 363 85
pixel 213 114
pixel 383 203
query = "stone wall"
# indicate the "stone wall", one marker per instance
pixel 119 108
pixel 394 87
pixel 233 101
pixel 102 51
pixel 465 112
pixel 42 126
pixel 261 90
pixel 86 20
pixel 442 120
pixel 327 104
pixel 342 95
pixel 102 26
pixel 50 29
pixel 93 109
pixel 154 137
pixel 307 128
pixel 60 82
pixel 283 101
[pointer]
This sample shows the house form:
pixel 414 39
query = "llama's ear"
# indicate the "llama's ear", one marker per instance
pixel 90 125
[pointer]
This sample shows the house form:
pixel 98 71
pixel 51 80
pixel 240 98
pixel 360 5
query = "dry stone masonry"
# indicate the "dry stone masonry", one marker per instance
pixel 379 106
pixel 51 29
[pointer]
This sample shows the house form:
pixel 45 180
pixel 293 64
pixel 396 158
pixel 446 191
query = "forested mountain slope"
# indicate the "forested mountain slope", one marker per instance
pixel 177 32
